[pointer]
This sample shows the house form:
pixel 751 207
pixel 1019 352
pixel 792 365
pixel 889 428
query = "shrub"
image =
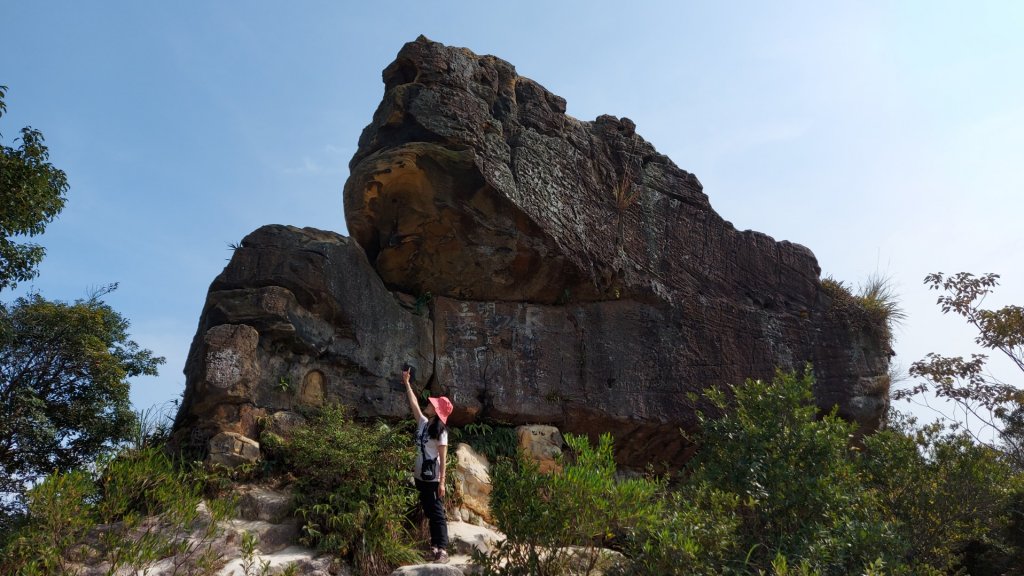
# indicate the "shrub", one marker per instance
pixel 801 494
pixel 566 521
pixel 57 518
pixel 692 534
pixel 945 494
pixel 138 508
pixel 353 491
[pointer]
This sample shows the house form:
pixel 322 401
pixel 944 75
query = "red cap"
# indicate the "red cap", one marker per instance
pixel 443 407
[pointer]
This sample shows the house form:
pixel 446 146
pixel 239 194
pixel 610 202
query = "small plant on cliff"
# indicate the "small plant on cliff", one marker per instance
pixel 625 192
pixel 874 307
pixel 352 491
pixel 878 296
pixel 422 304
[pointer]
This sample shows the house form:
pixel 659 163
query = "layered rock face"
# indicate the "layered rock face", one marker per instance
pixel 568 275
pixel 297 319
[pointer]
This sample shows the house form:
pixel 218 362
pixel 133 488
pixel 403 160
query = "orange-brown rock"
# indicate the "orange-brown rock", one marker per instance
pixel 568 274
pixel 580 278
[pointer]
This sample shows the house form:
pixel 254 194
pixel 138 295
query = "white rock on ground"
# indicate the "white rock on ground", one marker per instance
pixel 304 559
pixel 428 570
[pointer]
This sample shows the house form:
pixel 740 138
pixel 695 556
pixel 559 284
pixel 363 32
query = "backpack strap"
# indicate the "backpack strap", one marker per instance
pixel 423 443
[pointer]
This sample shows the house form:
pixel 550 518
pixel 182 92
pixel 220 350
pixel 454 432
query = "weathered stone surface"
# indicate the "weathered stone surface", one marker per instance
pixel 232 449
pixel 474 481
pixel 580 278
pixel 465 538
pixel 542 444
pixel 297 318
pixel 292 560
pixel 265 504
pixel 270 537
pixel 574 276
pixel 230 365
pixel 284 422
pixel 472 182
pixel 632 368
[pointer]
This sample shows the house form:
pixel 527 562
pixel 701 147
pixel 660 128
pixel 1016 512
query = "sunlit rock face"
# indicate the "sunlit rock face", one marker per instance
pixel 296 320
pixel 567 273
pixel 580 278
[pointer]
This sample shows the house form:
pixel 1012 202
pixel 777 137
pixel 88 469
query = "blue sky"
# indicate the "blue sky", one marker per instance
pixel 886 136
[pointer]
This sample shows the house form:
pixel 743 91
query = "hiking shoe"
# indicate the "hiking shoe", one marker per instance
pixel 441 556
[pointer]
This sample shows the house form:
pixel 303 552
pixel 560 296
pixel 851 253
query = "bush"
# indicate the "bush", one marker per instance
pixel 802 496
pixel 353 491
pixel 140 507
pixel 57 518
pixel 569 520
pixel 692 534
pixel 945 494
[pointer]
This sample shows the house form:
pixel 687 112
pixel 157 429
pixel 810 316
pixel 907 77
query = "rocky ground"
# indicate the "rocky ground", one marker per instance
pixel 263 541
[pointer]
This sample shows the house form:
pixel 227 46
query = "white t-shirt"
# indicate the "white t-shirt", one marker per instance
pixel 430 447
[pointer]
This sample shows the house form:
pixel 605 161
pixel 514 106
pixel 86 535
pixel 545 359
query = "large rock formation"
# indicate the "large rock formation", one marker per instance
pixel 567 272
pixel 297 319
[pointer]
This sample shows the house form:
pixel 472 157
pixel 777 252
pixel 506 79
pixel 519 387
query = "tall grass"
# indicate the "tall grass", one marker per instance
pixel 874 307
pixel 878 296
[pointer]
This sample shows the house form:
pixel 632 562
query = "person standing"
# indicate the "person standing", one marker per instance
pixel 431 458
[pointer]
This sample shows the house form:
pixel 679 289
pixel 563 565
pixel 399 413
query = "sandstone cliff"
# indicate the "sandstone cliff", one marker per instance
pixel 535 267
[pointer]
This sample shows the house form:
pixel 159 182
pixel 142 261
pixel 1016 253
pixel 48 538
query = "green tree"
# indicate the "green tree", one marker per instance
pixel 802 496
pixel 947 496
pixel 32 193
pixel 982 397
pixel 64 371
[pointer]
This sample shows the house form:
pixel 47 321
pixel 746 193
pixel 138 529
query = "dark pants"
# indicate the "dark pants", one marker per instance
pixel 433 507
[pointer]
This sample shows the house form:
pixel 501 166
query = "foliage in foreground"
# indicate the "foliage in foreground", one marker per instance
pixel 136 510
pixel 776 489
pixel 801 493
pixel 565 522
pixel 948 498
pixel 352 490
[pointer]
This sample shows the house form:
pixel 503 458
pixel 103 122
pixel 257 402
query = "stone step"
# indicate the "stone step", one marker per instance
pixel 307 562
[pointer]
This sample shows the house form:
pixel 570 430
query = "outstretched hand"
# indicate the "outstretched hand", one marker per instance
pixel 406 375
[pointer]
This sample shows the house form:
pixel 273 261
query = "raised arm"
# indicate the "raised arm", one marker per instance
pixel 414 404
